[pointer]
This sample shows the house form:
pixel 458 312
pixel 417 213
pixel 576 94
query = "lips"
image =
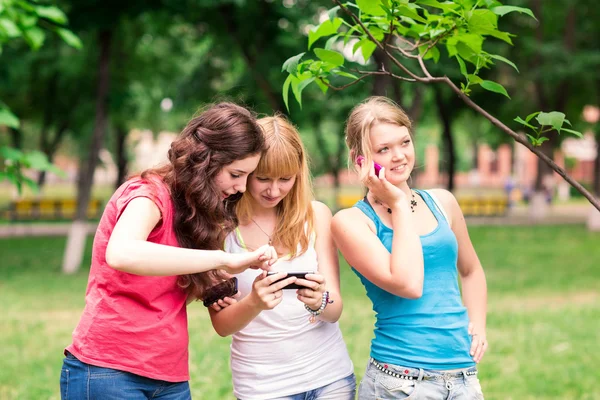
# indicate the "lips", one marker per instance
pixel 399 168
pixel 270 199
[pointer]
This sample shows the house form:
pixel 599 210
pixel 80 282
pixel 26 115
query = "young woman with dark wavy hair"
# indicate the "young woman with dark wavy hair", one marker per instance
pixel 159 244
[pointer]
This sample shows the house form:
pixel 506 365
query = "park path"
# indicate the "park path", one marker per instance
pixel 558 214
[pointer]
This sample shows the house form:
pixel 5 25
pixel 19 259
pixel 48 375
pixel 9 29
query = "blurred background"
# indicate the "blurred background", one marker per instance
pixel 104 99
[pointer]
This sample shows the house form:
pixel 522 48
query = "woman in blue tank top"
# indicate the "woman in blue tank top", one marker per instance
pixel 409 248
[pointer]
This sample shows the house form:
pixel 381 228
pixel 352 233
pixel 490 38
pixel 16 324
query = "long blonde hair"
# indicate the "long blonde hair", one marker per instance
pixel 285 156
pixel 373 110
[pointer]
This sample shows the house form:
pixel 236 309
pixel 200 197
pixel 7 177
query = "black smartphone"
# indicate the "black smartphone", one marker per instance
pixel 227 288
pixel 299 275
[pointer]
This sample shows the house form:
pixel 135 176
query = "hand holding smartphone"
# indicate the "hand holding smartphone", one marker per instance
pixel 361 159
pixel 299 275
pixel 227 288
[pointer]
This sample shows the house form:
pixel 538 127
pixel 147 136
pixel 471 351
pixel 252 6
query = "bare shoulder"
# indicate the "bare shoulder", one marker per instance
pixel 446 197
pixel 351 216
pixel 320 210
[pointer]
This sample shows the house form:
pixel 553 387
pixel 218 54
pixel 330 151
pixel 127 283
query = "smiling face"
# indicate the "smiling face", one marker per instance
pixel 233 177
pixel 392 147
pixel 267 191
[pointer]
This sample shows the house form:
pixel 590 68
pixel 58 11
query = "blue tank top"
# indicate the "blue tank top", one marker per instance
pixel 430 332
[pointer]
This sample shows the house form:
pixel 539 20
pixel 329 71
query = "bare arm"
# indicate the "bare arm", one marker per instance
pixel 474 286
pixel 329 268
pixel 263 296
pixel 401 272
pixel 129 251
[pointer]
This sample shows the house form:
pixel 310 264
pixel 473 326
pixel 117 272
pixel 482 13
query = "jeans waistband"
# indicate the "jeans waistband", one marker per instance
pixel 421 374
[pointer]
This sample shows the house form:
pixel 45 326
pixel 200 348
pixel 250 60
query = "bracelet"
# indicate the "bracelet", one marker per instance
pixel 315 313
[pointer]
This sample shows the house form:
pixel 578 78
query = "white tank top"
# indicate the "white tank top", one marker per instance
pixel 280 352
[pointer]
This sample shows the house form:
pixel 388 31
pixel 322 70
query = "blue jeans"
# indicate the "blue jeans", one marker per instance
pixel 343 389
pixel 81 381
pixel 411 383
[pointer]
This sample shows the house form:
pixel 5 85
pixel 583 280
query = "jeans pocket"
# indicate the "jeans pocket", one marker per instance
pixel 64 384
pixel 389 387
pixel 474 388
pixel 101 372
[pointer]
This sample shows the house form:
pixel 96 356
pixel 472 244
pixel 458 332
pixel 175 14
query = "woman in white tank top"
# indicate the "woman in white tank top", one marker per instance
pixel 286 342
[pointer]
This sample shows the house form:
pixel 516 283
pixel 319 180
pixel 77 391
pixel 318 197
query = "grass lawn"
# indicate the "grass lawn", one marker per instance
pixel 544 308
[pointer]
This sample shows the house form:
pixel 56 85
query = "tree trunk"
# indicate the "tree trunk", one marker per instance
pixel 77 234
pixel 16 137
pixel 121 156
pixel 446 119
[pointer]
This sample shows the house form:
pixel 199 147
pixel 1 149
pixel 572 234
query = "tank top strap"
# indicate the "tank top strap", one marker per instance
pixel 366 207
pixel 432 204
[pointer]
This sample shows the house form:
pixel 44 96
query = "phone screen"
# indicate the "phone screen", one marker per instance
pixel 299 275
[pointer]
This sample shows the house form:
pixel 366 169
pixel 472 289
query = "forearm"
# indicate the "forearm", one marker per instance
pixel 333 310
pixel 474 289
pixel 141 257
pixel 406 259
pixel 234 318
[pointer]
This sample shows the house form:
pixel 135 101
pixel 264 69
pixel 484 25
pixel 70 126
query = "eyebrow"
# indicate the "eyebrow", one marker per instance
pixel 240 171
pixel 401 140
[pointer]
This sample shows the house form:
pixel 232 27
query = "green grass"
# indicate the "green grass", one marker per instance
pixel 544 308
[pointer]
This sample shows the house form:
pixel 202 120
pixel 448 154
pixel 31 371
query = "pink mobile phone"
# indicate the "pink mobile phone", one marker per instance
pixel 360 159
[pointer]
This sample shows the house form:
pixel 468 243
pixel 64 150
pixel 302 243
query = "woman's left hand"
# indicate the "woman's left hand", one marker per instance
pixel 225 302
pixel 312 295
pixel 479 343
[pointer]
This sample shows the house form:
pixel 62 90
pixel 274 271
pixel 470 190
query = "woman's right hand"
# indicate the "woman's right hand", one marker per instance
pixel 380 187
pixel 261 258
pixel 265 294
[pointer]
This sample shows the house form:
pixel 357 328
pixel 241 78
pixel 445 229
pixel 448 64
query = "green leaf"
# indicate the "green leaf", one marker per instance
pixel 367 48
pixel 371 7
pixel 494 87
pixel 519 120
pixel 505 60
pixel 10 29
pixel 576 133
pixel 344 74
pixel 31 184
pixel 409 12
pixel 437 4
pixel 327 28
pixel 298 86
pixel 503 10
pixel 554 119
pixel 474 79
pixel 36 160
pixel 504 36
pixel 332 13
pixel 482 20
pixel 531 116
pixel 462 65
pixel 12 154
pixel 291 64
pixel 432 53
pixel 8 119
pixel 322 85
pixel 52 13
pixel 473 41
pixel 70 38
pixel 285 90
pixel 332 57
pixel 35 37
pixel 331 41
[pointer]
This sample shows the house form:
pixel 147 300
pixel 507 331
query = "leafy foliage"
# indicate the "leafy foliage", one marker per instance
pixel 416 32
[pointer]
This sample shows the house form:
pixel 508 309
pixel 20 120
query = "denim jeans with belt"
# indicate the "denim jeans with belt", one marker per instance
pixel 383 381
pixel 81 381
pixel 342 389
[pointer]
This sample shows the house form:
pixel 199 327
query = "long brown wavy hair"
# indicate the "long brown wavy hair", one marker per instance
pixel 221 134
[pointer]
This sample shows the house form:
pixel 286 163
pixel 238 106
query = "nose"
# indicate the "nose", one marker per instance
pixel 398 155
pixel 274 189
pixel 241 188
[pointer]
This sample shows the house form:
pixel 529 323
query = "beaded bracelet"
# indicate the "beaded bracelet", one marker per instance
pixel 315 313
